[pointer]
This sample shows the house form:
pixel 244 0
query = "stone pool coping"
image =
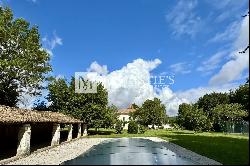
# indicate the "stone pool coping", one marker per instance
pixel 70 150
pixel 183 152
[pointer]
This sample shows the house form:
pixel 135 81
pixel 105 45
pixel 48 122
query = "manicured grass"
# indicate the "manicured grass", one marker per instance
pixel 228 149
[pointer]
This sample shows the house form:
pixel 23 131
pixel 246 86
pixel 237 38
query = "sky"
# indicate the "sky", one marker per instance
pixel 195 42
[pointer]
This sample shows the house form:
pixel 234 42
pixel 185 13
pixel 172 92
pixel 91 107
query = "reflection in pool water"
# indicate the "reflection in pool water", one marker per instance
pixel 129 151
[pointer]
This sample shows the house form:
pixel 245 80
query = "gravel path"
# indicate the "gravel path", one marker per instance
pixel 59 154
pixel 68 151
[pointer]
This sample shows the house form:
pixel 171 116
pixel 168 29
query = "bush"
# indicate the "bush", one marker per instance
pixel 132 127
pixel 142 129
pixel 118 127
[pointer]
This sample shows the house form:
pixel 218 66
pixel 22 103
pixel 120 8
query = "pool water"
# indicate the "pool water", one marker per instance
pixel 129 151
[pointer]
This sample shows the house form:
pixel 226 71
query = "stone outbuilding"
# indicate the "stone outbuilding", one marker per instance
pixel 23 131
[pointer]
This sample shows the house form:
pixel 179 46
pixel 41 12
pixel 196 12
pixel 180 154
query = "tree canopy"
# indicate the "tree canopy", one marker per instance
pixel 152 112
pixel 193 118
pixel 209 101
pixel 213 111
pixel 89 107
pixel 23 62
pixel 241 95
pixel 232 113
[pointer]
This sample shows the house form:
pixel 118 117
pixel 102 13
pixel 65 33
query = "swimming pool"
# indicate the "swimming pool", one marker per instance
pixel 129 151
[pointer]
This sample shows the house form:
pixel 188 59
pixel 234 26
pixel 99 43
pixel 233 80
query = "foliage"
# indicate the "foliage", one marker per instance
pixel 134 115
pixel 23 62
pixel 228 113
pixel 132 127
pixel 89 107
pixel 59 95
pixel 152 112
pixel 241 96
pixel 209 101
pixel 217 110
pixel 110 116
pixel 134 106
pixel 200 121
pixel 142 129
pixel 118 127
pixel 40 106
pixel 192 118
pixel 124 123
pixel 183 118
pixel 176 126
pixel 172 120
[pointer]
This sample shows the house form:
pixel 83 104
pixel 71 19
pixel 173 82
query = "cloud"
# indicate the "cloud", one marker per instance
pixel 193 94
pixel 228 8
pixel 229 34
pixel 50 44
pixel 95 67
pixel 181 67
pixel 33 1
pixel 232 70
pixel 131 84
pixel 183 19
pixel 218 4
pixel 243 38
pixel 238 63
pixel 212 63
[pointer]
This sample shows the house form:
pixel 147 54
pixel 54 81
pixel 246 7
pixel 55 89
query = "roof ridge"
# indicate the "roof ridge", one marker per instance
pixel 22 115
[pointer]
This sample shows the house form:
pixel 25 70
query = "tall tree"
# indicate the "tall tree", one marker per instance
pixel 241 95
pixel 152 112
pixel 110 116
pixel 89 107
pixel 232 113
pixel 23 62
pixel 193 118
pixel 209 101
pixel 184 115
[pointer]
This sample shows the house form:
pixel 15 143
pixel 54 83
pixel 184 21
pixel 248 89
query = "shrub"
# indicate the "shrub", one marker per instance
pixel 142 129
pixel 118 127
pixel 132 127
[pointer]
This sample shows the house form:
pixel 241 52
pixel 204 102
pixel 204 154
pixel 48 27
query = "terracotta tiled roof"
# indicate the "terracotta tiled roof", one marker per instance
pixel 126 111
pixel 17 115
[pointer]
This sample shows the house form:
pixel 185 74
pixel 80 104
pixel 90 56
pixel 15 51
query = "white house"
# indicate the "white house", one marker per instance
pixel 124 115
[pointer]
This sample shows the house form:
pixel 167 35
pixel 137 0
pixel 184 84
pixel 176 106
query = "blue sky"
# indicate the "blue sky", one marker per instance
pixel 195 40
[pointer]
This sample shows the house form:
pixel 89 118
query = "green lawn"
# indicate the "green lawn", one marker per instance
pixel 228 149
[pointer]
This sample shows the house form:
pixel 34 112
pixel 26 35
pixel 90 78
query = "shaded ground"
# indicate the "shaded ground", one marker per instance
pixel 225 148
